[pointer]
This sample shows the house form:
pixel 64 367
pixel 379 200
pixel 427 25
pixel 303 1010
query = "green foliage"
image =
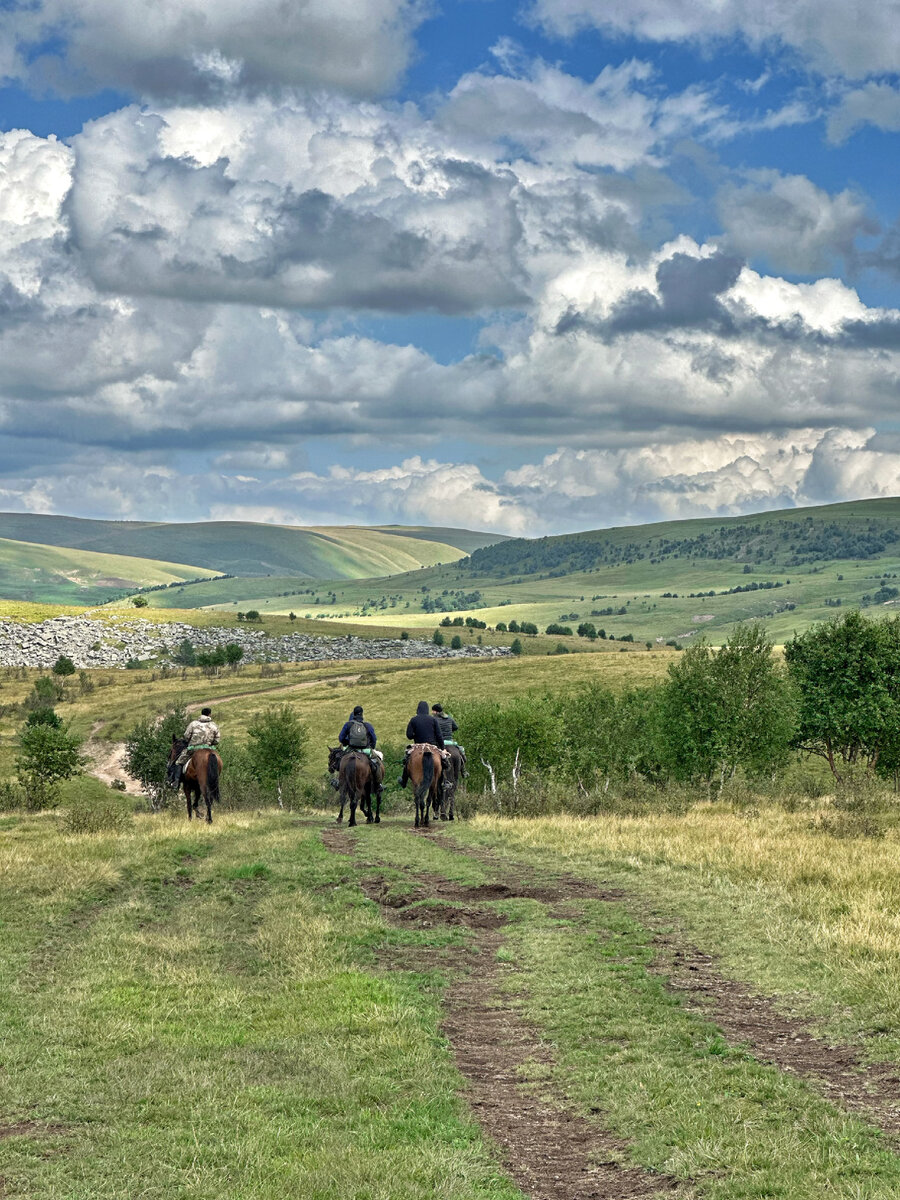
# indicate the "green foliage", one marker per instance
pixel 556 630
pixel 276 748
pixel 847 674
pixel 48 754
pixel 148 745
pixel 252 614
pixel 185 655
pixel 521 736
pixel 139 601
pixel 45 692
pixel 438 638
pixel 456 642
pixel 45 715
pixel 587 629
pixel 516 647
pixel 63 666
pixel 233 653
pixel 726 709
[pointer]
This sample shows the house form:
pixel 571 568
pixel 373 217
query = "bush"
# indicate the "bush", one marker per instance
pixel 89 813
pixel 48 755
pixel 438 638
pixel 456 642
pixel 147 748
pixel 45 715
pixel 63 666
pixel 559 630
pixel 404 636
pixel 139 601
pixel 44 693
pixel 276 750
pixel 516 647
pixel 185 655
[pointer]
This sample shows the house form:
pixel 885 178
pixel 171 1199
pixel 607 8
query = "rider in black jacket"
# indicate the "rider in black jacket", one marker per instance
pixel 422 728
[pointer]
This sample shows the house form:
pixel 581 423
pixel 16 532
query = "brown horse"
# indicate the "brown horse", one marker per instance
pixel 200 778
pixel 358 780
pixel 453 770
pixel 424 769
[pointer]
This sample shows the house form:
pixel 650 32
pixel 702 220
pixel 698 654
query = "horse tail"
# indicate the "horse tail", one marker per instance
pixel 212 776
pixel 427 770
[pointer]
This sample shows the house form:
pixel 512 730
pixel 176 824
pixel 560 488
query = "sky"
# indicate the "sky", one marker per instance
pixel 527 266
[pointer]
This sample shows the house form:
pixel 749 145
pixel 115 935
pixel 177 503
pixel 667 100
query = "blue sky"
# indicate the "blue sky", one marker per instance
pixel 530 267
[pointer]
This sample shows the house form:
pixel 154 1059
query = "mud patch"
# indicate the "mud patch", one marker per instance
pixel 29 1129
pixel 871 1090
pixel 427 915
pixel 338 841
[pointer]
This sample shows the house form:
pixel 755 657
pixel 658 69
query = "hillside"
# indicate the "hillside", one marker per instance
pixel 669 581
pixel 248 549
pixel 29 571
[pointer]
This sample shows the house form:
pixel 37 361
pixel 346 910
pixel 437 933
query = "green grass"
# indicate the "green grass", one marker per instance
pixel 51 574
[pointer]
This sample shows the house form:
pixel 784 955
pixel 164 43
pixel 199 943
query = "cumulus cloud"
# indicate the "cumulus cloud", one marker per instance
pixel 819 30
pixel 875 103
pixel 790 223
pixel 202 47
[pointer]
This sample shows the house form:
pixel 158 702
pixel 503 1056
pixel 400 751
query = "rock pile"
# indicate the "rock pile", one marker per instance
pixel 92 643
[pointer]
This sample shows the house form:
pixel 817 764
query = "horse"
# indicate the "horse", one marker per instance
pixel 424 769
pixel 453 770
pixel 357 783
pixel 200 778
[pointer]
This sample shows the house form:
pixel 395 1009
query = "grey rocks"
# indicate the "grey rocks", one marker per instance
pixel 91 643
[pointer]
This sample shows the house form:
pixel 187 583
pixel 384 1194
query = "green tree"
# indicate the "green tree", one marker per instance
pixel 63 666
pixel 139 601
pixel 456 642
pixel 185 655
pixel 725 709
pixel 233 653
pixel 847 675
pixel 147 748
pixel 438 638
pixel 277 748
pixel 44 716
pixel 48 754
pixel 516 647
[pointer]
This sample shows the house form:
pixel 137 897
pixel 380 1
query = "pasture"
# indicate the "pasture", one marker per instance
pixel 703 1003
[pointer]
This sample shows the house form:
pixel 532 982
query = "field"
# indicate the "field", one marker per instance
pixel 702 1005
pixel 80 577
pixel 244 548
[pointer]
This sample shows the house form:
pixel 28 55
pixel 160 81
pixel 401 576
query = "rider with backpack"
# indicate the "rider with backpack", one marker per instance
pixel 358 734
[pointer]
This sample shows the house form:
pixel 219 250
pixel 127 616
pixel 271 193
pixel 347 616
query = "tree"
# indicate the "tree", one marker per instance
pixel 438 638
pixel 456 642
pixel 63 666
pixel 847 675
pixel 48 754
pixel 139 601
pixel 292 616
pixel 233 653
pixel 587 629
pixel 725 709
pixel 516 647
pixel 252 614
pixel 277 747
pixel 185 655
pixel 147 749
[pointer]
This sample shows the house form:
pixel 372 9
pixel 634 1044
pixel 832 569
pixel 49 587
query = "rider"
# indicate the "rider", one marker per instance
pixel 357 734
pixel 448 727
pixel 200 733
pixel 422 729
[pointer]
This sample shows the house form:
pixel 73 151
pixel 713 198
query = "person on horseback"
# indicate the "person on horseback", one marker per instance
pixel 200 735
pixel 422 730
pixel 358 734
pixel 448 727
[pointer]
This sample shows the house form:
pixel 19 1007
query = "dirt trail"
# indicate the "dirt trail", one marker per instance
pixel 107 761
pixel 869 1090
pixel 279 688
pixel 548 1149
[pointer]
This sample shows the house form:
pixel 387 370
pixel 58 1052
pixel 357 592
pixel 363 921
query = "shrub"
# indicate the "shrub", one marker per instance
pixel 185 655
pixel 456 642
pixel 559 630
pixel 501 627
pixel 404 636
pixel 252 614
pixel 276 749
pixel 438 638
pixel 139 601
pixel 48 754
pixel 63 666
pixel 109 812
pixel 516 647
pixel 44 716
pixel 44 692
pixel 147 748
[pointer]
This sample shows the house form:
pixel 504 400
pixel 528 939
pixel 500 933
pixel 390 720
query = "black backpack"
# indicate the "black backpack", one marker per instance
pixel 357 735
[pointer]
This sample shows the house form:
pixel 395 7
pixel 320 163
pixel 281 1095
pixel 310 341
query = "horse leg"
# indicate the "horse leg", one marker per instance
pixel 187 796
pixel 352 820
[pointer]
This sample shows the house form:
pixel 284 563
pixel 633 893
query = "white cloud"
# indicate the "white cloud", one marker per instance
pixel 875 104
pixel 831 38
pixel 791 223
pixel 195 47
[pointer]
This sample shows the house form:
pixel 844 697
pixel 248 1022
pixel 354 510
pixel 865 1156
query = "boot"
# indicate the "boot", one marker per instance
pixel 402 779
pixel 175 773
pixel 335 783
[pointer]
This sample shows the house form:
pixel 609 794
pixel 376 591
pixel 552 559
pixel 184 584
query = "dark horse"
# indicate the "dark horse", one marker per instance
pixel 357 783
pixel 200 778
pixel 453 769
pixel 424 769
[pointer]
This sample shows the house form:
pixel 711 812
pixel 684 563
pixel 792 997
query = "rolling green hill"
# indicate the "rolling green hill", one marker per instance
pixel 243 548
pixel 670 581
pixel 29 571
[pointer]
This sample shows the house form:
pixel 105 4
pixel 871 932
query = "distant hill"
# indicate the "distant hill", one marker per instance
pixel 858 530
pixel 247 549
pixel 56 575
